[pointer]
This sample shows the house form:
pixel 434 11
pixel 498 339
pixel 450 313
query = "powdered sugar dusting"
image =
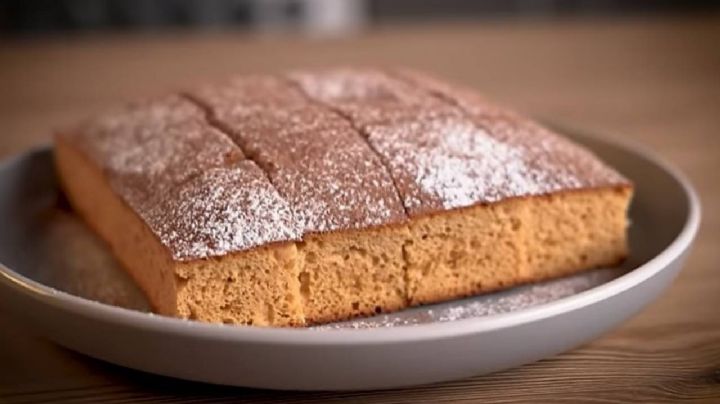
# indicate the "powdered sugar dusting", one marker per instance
pixel 563 164
pixel 188 182
pixel 355 86
pixel 449 163
pixel 315 159
pixel 155 139
pixel 333 156
pixel 222 210
pixel 439 157
pixel 367 96
pixel 149 148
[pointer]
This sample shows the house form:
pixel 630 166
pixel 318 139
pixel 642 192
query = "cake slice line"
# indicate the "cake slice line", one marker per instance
pixel 359 132
pixel 560 220
pixel 329 293
pixel 221 128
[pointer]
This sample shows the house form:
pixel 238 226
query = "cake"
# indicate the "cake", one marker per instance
pixel 318 196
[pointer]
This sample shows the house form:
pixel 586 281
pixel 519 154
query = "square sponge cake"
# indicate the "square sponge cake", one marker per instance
pixel 317 196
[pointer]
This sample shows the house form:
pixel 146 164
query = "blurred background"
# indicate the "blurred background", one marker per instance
pixel 47 17
pixel 613 65
pixel 645 70
pixel 608 64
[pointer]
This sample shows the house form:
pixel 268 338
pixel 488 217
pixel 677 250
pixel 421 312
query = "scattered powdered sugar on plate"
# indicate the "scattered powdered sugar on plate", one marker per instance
pixel 485 305
pixel 70 258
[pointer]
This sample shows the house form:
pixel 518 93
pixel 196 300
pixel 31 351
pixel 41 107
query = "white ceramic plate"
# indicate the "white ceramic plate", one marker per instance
pixel 54 274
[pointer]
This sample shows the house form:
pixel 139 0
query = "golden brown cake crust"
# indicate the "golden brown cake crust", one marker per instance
pixel 445 155
pixel 330 177
pixel 324 195
pixel 189 183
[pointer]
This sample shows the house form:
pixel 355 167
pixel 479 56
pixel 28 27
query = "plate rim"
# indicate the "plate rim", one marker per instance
pixel 416 332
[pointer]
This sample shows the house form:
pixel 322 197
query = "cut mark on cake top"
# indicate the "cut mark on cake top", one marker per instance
pixel 156 154
pixel 324 151
pixel 310 154
pixel 557 162
pixel 299 82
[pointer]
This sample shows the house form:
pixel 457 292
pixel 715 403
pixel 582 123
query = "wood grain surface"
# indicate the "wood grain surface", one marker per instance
pixel 655 81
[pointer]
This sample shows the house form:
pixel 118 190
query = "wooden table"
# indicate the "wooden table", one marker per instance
pixel 655 81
